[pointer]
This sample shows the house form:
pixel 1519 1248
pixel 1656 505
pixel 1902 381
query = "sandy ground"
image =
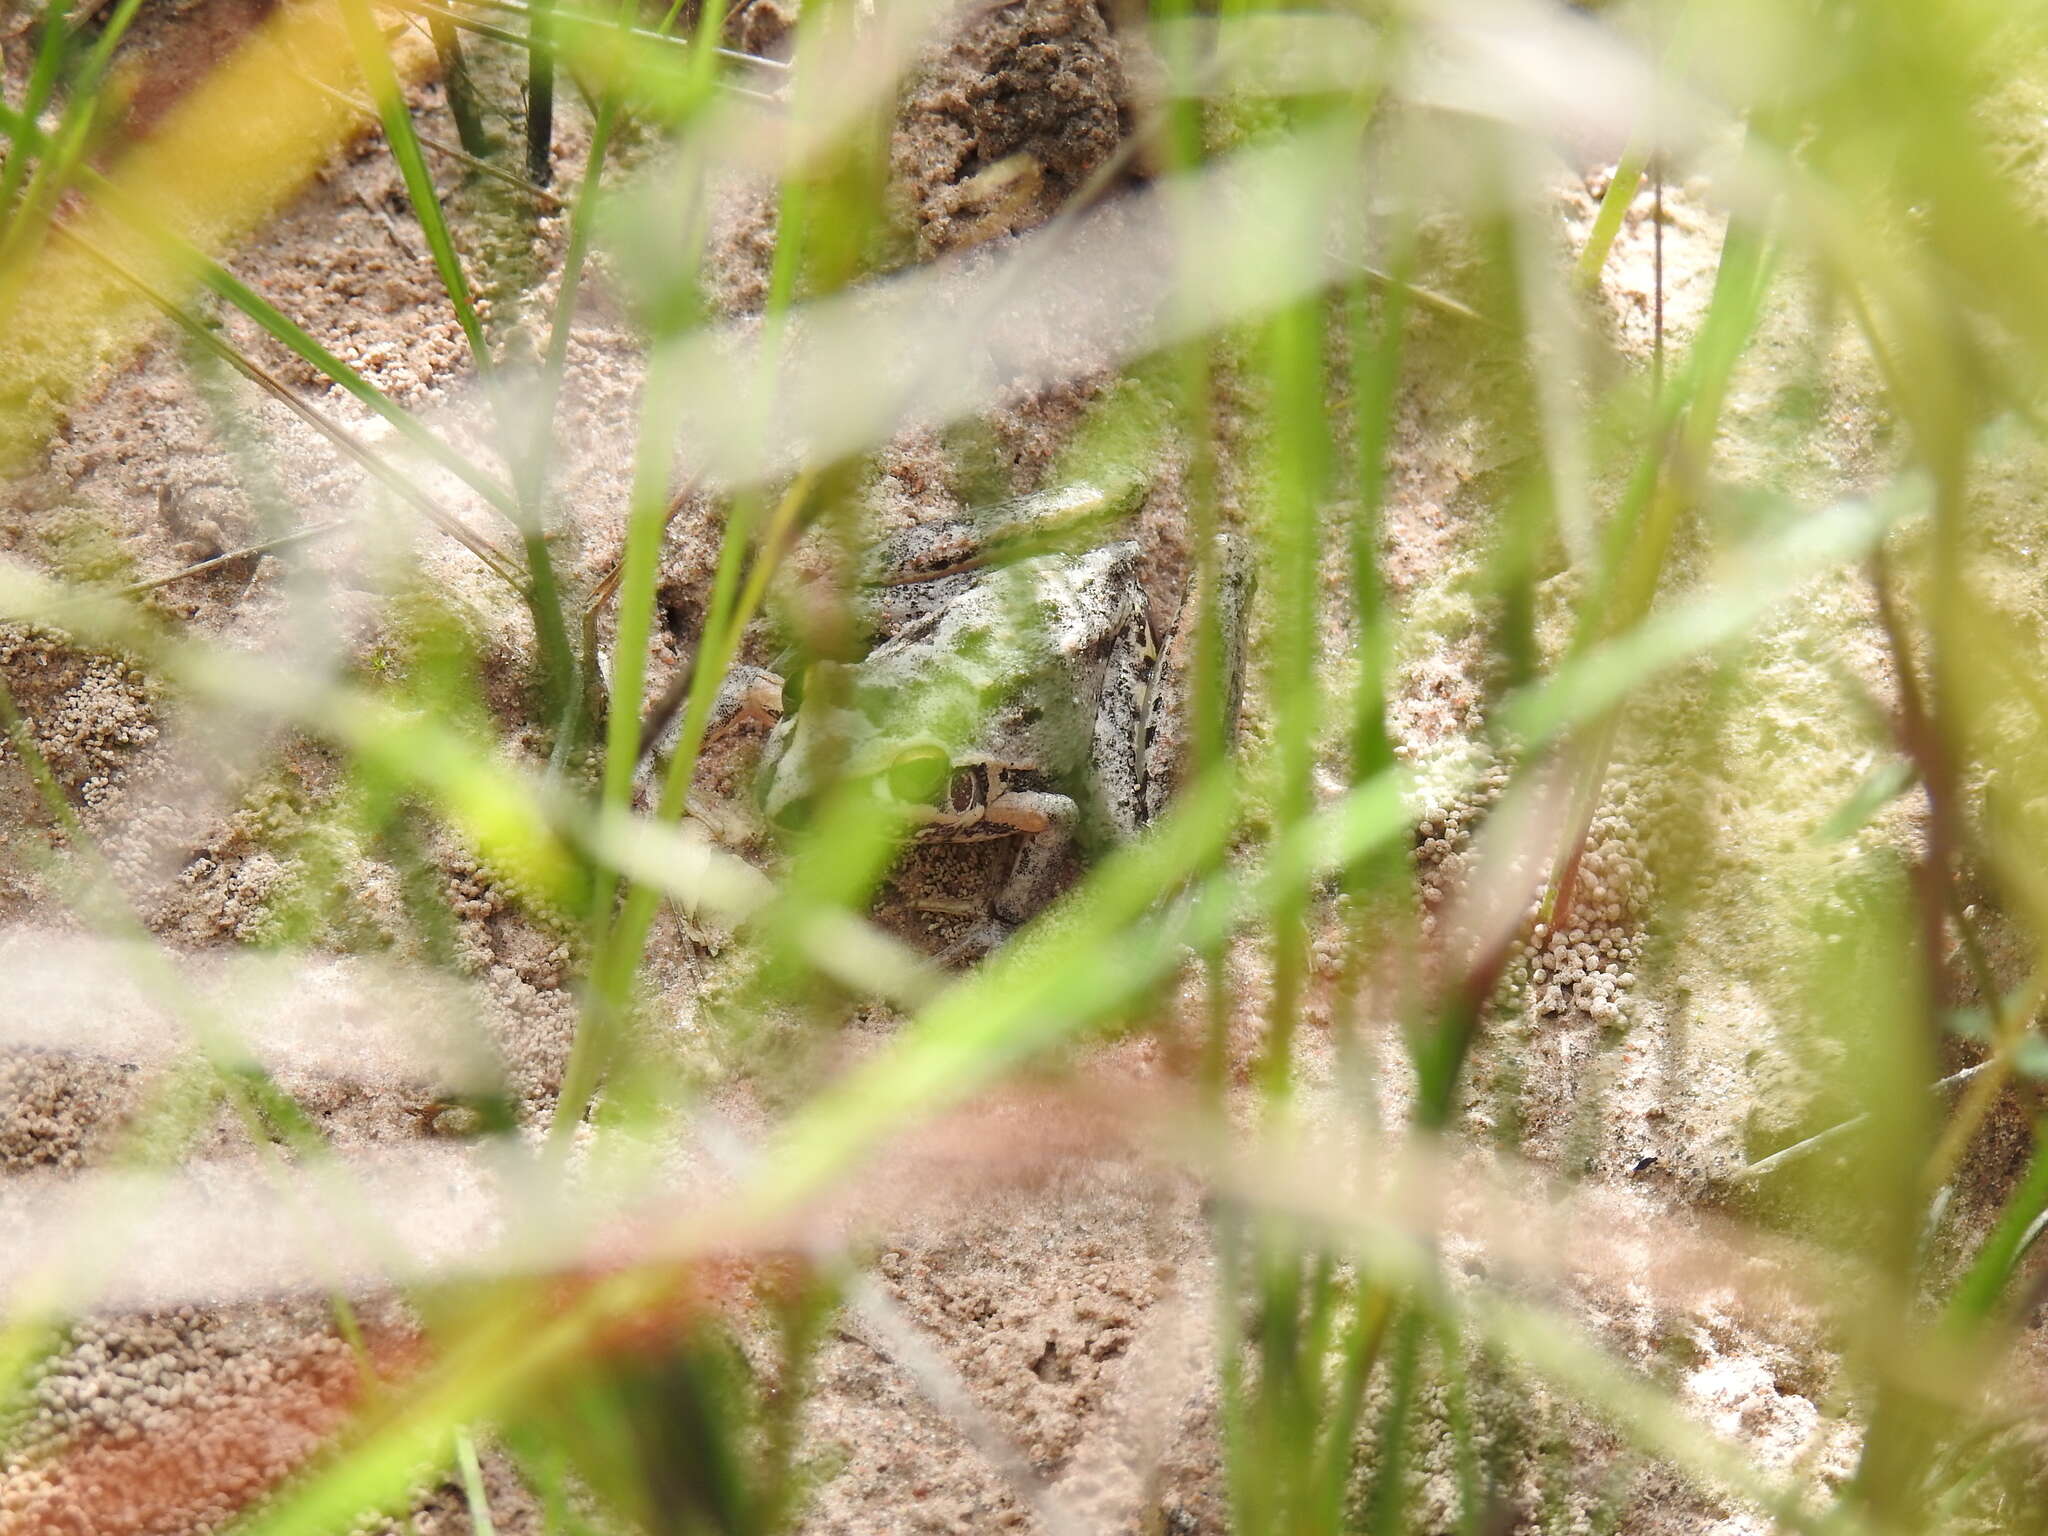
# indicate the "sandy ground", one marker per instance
pixel 1072 1306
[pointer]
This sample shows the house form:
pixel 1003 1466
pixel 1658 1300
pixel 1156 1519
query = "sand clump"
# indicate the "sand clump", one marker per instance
pixel 1007 118
pixel 173 1422
pixel 88 713
pixel 56 1110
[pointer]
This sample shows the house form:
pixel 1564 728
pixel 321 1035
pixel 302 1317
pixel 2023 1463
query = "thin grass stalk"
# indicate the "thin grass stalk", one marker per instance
pixel 1638 540
pixel 398 483
pixel 530 466
pixel 508 1348
pixel 1439 1046
pixel 802 1321
pixel 1276 1262
pixel 374 61
pixel 1336 1439
pixel 1458 1412
pixel 733 604
pixel 1194 386
pixel 1242 1448
pixel 707 37
pixel 1195 383
pixel 1684 426
pixel 540 92
pixel 286 331
pixel 1614 205
pixel 619 937
pixel 582 218
pixel 570 18
pixel 1376 348
pixel 230 557
pixel 1977 1294
pixel 637 599
pixel 542 590
pixel 1300 474
pixel 1923 737
pixel 473 1494
pixel 429 11
pixel 824 234
pixel 462 98
pixel 647 519
pixel 648 513
pixel 1370 891
pixel 467 158
pixel 617 959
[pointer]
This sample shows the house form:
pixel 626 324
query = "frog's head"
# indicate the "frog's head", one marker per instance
pixel 904 768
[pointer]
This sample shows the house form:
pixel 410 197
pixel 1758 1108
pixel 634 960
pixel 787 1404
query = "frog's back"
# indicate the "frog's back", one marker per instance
pixel 1011 669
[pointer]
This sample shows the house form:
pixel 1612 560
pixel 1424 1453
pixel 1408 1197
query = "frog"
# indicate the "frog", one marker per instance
pixel 1011 687
pixel 1010 691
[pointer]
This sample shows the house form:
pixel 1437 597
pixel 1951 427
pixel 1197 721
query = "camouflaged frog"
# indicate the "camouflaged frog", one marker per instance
pixel 1012 691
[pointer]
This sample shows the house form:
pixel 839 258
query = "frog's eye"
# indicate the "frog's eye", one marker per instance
pixel 917 776
pixel 966 790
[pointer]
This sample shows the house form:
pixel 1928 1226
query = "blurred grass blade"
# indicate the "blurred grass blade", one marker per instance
pixel 1063 975
pixel 1984 1283
pixel 1815 543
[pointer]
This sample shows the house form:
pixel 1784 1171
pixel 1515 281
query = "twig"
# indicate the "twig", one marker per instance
pixel 383 216
pixel 646 34
pixel 336 433
pixel 429 9
pixel 441 146
pixel 318 530
pixel 1751 1172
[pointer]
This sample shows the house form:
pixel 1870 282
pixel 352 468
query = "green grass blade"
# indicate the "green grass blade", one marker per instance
pixel 63 152
pixel 215 277
pixel 1614 205
pixel 1054 981
pixel 1977 1294
pixel 374 61
pixel 42 81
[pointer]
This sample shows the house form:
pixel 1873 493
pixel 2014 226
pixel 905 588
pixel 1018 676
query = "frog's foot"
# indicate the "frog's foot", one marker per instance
pixel 977 943
pixel 749 695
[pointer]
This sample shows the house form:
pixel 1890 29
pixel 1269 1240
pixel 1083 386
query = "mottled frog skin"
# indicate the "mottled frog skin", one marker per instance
pixel 1009 693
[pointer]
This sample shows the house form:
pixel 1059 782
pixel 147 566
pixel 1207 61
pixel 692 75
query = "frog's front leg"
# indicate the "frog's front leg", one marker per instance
pixel 1044 821
pixel 748 695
